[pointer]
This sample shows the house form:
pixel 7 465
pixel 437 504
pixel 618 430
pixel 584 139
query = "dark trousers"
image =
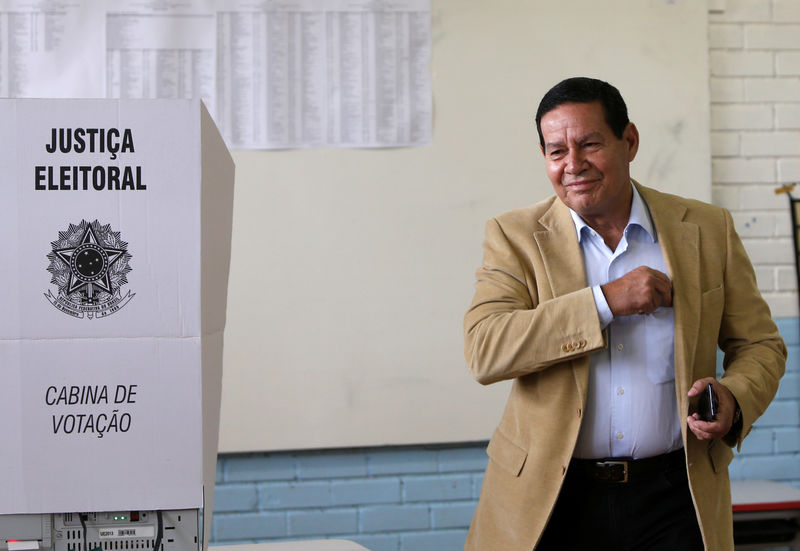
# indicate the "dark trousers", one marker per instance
pixel 652 513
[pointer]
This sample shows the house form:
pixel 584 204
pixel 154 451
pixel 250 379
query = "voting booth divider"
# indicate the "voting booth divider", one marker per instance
pixel 115 246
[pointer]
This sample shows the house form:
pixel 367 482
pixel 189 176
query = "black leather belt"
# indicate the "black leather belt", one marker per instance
pixel 624 469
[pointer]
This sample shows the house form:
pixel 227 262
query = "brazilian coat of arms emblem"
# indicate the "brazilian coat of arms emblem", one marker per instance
pixel 89 263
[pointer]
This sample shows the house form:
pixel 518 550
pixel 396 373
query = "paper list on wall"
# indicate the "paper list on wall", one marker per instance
pixel 160 50
pixel 307 73
pixel 294 73
pixel 46 51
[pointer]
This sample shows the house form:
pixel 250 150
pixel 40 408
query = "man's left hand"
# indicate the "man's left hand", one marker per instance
pixel 709 430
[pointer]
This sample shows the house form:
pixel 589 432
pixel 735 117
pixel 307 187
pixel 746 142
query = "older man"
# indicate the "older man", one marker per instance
pixel 605 304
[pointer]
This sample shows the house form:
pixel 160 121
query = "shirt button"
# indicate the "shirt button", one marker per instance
pixel 620 347
pixel 619 436
pixel 620 391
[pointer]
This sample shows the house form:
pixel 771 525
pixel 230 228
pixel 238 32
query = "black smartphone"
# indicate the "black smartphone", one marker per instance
pixel 708 405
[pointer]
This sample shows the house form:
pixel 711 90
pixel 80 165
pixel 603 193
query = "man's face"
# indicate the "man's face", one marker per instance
pixel 586 163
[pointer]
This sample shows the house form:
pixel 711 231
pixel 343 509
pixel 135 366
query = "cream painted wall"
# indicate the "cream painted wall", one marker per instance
pixel 351 269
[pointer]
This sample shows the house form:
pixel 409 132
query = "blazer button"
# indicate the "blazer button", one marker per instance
pixel 582 343
pixel 564 348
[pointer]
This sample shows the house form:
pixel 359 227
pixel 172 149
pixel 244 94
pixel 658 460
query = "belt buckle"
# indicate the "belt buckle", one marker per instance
pixel 612 471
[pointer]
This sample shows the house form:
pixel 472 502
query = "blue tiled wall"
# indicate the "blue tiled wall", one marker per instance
pixel 772 449
pixel 400 498
pixel 421 498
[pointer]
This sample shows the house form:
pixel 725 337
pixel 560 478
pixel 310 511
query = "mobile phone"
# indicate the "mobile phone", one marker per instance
pixel 708 405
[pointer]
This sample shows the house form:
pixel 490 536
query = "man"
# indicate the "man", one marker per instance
pixel 605 304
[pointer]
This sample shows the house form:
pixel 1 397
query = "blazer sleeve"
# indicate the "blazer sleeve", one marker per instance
pixel 509 331
pixel 754 352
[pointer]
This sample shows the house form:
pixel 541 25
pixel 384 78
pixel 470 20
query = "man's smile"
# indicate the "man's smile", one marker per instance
pixel 581 185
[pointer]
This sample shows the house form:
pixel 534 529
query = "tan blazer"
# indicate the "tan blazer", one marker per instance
pixel 533 319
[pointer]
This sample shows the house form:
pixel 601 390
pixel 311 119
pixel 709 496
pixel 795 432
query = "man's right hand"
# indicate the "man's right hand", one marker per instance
pixel 640 291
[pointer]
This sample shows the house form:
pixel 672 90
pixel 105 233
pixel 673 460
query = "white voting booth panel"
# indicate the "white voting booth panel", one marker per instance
pixel 115 226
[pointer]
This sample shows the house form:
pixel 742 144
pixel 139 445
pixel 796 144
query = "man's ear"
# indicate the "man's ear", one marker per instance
pixel 631 137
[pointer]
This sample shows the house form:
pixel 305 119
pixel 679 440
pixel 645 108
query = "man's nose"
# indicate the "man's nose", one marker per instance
pixel 575 161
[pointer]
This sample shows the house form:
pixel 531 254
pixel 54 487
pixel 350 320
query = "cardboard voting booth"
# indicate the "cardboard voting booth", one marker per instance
pixel 114 246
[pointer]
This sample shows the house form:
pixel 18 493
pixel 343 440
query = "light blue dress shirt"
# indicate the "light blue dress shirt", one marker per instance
pixel 631 409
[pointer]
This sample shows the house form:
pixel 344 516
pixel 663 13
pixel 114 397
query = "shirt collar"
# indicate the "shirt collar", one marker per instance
pixel 640 216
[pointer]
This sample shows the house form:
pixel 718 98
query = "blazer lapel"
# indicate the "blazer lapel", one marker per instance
pixel 680 245
pixel 560 250
pixel 563 260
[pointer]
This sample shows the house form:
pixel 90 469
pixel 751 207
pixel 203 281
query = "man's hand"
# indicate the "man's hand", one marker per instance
pixel 704 430
pixel 640 291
